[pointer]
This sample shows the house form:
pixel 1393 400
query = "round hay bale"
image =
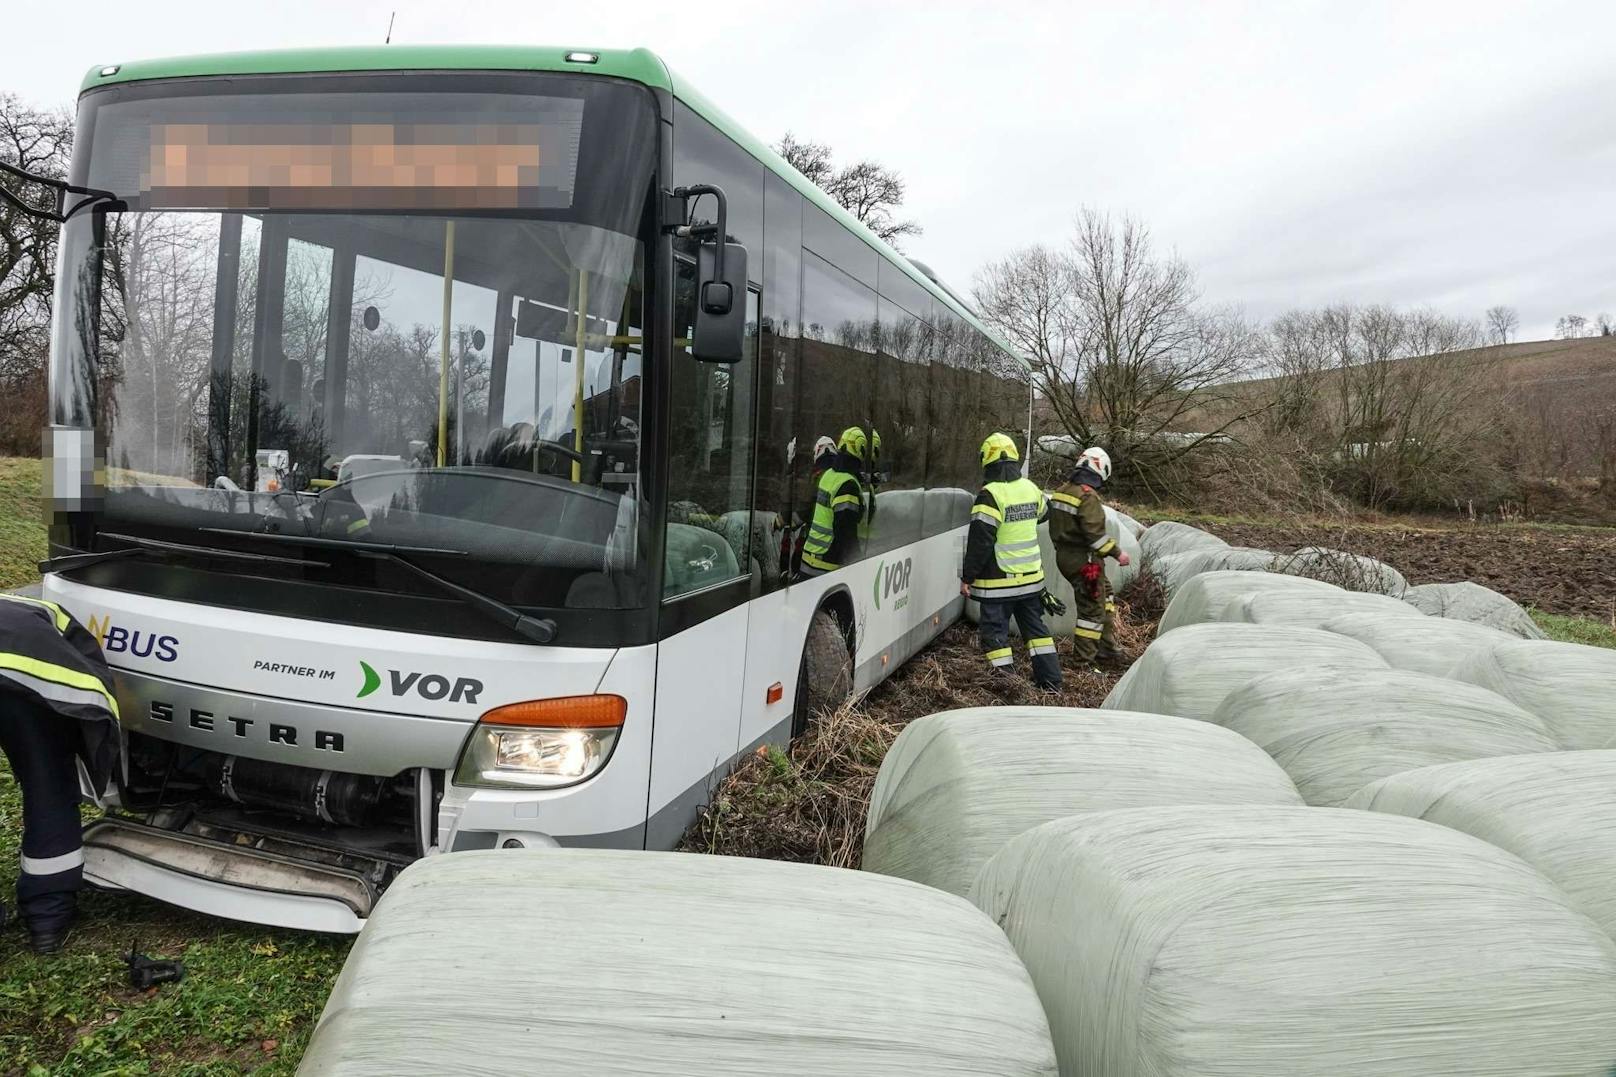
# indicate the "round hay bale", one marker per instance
pixel 1299 942
pixel 1176 570
pixel 1570 686
pixel 1468 601
pixel 674 964
pixel 1188 671
pixel 1124 521
pixel 1119 575
pixel 1336 730
pixel 1350 571
pixel 1208 596
pixel 1422 644
pixel 1170 537
pixel 956 786
pixel 1556 811
pixel 1310 609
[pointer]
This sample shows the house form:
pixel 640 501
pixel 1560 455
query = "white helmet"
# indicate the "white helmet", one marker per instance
pixel 823 446
pixel 1098 461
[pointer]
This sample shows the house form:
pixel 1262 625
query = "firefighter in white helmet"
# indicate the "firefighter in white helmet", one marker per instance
pixel 1077 530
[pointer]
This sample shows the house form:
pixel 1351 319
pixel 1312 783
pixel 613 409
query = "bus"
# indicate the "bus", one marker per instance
pixel 430 449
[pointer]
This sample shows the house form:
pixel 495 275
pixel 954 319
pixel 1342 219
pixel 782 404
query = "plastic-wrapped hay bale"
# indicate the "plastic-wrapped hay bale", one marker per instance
pixel 1351 571
pixel 1423 644
pixel 1299 942
pixel 1310 609
pixel 1207 596
pixel 1336 730
pixel 956 786
pixel 1570 686
pixel 1188 671
pixel 1176 570
pixel 601 962
pixel 1169 537
pixel 1124 521
pixel 1556 811
pixel 1120 575
pixel 1472 602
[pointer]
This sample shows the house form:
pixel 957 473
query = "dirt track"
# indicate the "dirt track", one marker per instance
pixel 1565 571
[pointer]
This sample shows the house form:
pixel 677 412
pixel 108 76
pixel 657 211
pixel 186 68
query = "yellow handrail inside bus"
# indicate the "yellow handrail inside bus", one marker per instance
pixel 578 378
pixel 443 362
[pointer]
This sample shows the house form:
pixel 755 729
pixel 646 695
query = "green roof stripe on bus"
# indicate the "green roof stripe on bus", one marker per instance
pixel 636 65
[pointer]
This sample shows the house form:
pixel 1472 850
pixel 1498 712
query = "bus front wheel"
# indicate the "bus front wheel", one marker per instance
pixel 826 676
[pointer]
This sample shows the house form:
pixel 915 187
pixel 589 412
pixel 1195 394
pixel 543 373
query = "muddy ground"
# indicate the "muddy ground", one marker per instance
pixel 1569 571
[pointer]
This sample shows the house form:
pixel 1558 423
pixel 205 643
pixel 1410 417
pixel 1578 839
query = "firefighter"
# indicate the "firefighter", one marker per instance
pixel 1003 569
pixel 56 706
pixel 834 530
pixel 1077 529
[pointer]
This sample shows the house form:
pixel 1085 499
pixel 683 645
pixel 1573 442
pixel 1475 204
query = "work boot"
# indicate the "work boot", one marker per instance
pixel 1108 659
pixel 51 939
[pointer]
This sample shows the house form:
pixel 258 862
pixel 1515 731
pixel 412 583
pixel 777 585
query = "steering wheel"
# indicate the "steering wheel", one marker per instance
pixel 559 447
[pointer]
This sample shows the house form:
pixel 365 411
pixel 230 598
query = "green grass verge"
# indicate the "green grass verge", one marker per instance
pixel 1576 629
pixel 22 521
pixel 248 1003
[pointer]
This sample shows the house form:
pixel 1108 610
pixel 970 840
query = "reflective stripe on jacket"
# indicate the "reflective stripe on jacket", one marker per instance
pixel 833 530
pixel 1011 509
pixel 1077 528
pixel 52 660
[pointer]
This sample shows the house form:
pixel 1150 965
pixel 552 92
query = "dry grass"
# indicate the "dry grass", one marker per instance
pixel 808 803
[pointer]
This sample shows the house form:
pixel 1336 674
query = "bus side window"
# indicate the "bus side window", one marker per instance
pixel 710 455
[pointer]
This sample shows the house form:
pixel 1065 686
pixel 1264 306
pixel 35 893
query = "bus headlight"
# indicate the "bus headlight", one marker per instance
pixel 543 743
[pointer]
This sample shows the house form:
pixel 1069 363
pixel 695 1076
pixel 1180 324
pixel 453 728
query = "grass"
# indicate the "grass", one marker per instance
pixel 22 521
pixel 1576 629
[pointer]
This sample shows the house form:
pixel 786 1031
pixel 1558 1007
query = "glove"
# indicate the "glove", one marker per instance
pixel 1090 572
pixel 1052 605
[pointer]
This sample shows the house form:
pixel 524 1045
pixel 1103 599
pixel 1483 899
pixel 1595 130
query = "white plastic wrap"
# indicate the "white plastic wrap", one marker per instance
pixel 1354 572
pixel 1556 811
pixel 1176 570
pixel 1119 575
pixel 1299 942
pixel 1570 686
pixel 956 786
pixel 1170 537
pixel 1126 522
pixel 1188 671
pixel 1336 730
pixel 601 962
pixel 1472 602
pixel 1207 596
pixel 1424 644
pixel 1310 609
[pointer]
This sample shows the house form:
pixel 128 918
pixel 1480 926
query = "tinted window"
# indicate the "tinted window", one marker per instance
pixel 703 154
pixel 828 238
pixel 784 456
pixel 902 415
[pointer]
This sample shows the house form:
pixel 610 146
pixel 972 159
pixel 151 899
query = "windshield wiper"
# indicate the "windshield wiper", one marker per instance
pixel 537 629
pixel 139 547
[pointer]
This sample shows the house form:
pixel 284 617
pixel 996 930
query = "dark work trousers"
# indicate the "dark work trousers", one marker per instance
pixel 993 632
pixel 41 747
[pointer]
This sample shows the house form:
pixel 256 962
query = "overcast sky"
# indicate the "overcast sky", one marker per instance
pixel 1455 155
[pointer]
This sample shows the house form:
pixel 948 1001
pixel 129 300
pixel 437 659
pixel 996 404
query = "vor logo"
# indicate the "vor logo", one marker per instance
pixel 892 582
pixel 431 686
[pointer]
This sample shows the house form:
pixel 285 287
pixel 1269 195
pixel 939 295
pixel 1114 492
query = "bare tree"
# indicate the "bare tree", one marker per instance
pixel 1502 323
pixel 1570 326
pixel 868 190
pixel 39 140
pixel 1121 351
pixel 1605 325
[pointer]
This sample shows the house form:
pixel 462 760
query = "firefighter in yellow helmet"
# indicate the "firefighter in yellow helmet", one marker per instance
pixel 1003 568
pixel 56 707
pixel 833 531
pixel 1077 531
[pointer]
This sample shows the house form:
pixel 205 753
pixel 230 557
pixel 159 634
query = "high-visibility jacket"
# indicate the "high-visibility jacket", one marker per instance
pixel 1002 559
pixel 52 660
pixel 1077 528
pixel 833 532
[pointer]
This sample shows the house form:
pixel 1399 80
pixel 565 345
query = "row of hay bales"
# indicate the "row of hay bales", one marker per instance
pixel 1311 831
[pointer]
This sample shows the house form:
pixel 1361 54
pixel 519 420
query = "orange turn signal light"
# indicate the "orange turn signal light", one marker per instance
pixel 775 693
pixel 562 712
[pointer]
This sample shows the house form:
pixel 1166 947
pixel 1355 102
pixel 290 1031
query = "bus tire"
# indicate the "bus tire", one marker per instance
pixel 825 678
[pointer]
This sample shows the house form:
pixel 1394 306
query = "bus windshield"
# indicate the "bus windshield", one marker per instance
pixel 405 318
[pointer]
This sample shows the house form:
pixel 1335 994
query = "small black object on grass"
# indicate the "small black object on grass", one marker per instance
pixel 146 972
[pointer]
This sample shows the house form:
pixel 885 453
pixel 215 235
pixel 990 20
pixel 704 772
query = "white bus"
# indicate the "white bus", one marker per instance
pixel 421 490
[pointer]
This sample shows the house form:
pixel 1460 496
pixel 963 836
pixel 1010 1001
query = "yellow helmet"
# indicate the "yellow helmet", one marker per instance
pixel 999 447
pixel 854 443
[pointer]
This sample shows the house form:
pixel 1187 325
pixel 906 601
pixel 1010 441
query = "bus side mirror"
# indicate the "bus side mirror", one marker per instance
pixel 720 334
